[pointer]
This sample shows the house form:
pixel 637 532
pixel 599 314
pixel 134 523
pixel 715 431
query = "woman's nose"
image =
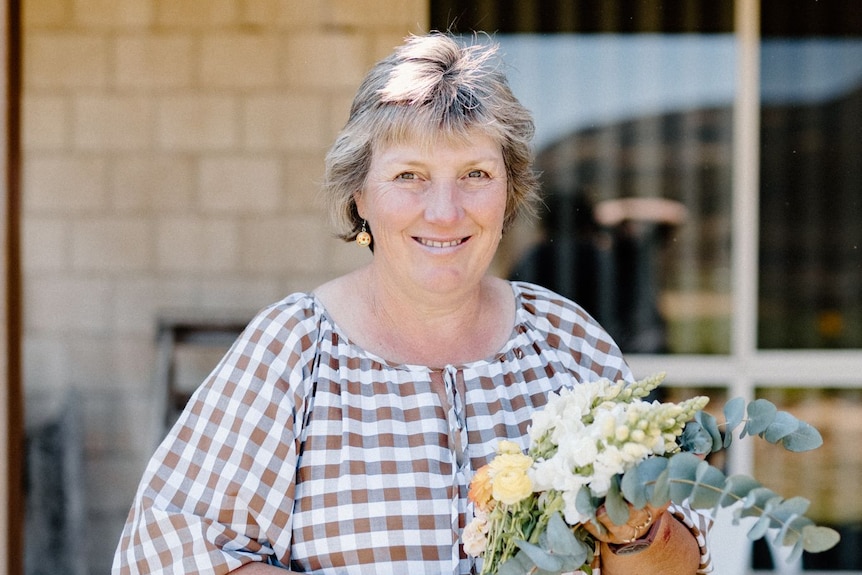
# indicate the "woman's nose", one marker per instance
pixel 443 201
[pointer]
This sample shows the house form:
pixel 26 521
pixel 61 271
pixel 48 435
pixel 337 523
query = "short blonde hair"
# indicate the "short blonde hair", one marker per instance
pixel 431 87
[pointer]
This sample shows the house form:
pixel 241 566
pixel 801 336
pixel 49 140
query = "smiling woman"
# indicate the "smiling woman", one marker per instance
pixel 369 402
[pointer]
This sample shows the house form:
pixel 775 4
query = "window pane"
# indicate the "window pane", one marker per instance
pixel 633 108
pixel 633 139
pixel 829 476
pixel 811 177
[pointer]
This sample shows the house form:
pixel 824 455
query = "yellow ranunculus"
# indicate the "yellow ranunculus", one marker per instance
pixel 506 446
pixel 509 480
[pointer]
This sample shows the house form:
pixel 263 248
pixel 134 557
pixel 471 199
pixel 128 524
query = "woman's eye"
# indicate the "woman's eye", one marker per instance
pixel 477 174
pixel 409 176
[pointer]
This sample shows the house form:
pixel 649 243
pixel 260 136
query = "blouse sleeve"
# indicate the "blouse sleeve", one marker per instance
pixel 698 522
pixel 218 492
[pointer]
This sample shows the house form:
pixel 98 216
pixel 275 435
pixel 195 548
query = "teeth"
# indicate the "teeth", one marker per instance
pixel 433 244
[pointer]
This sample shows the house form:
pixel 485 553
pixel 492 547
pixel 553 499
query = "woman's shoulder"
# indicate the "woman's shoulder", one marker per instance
pixel 296 316
pixel 568 328
pixel 547 304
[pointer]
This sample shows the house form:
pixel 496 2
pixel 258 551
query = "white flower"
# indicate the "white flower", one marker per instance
pixel 578 451
pixel 548 474
pixel 608 463
pixel 543 421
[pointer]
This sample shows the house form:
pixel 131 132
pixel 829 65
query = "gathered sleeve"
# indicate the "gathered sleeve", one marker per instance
pixel 218 492
pixel 698 522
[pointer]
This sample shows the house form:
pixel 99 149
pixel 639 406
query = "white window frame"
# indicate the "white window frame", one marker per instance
pixel 747 368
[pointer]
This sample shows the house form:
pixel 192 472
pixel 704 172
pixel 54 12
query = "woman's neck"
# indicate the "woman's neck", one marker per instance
pixel 424 328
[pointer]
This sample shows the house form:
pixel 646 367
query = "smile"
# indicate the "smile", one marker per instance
pixel 436 244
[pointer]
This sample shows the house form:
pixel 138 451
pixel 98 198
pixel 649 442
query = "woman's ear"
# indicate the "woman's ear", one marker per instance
pixel 360 204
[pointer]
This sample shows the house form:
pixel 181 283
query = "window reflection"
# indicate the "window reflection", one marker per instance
pixel 811 193
pixel 634 138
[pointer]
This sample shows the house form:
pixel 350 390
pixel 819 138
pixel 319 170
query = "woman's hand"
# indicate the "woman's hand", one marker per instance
pixel 636 526
pixel 672 550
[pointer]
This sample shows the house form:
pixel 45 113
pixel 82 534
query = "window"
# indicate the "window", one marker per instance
pixel 702 165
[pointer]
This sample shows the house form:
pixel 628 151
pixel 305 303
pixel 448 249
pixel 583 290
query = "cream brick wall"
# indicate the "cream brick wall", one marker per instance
pixel 172 155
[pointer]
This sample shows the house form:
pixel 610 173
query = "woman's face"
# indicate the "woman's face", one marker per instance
pixel 436 212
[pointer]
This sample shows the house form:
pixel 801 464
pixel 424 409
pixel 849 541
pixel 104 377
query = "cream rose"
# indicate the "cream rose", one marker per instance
pixel 475 537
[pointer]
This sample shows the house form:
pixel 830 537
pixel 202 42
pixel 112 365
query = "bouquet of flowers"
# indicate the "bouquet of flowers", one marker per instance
pixel 601 443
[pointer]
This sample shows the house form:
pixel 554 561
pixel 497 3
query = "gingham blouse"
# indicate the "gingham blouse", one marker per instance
pixel 303 450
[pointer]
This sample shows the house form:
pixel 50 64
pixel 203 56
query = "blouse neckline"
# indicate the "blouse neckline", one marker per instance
pixel 517 329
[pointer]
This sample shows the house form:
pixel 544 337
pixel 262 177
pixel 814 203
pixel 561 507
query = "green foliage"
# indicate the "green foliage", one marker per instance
pixel 558 551
pixel 704 435
pixel 687 478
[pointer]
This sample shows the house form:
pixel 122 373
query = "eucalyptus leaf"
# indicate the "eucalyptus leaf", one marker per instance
pixel 638 483
pixel 562 540
pixel 585 503
pixel 682 471
pixel 695 438
pixel 759 501
pixel 661 489
pixel 804 438
pixel 759 528
pixel 634 488
pixel 734 413
pixel 541 558
pixel 795 527
pixel 517 565
pixel 795 552
pixel 710 424
pixel 781 536
pixel 761 413
pixel 738 486
pixel 816 538
pixel 709 485
pixel 787 510
pixel 757 497
pixel 616 506
pixel 783 425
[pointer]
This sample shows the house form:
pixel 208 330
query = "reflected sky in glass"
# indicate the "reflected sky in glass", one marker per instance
pixel 571 82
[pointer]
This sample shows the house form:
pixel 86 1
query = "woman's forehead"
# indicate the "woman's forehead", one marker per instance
pixel 426 140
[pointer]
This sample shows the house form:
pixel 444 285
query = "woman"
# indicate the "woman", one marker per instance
pixel 340 432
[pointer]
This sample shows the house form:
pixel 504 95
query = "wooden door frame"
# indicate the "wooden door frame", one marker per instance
pixel 12 404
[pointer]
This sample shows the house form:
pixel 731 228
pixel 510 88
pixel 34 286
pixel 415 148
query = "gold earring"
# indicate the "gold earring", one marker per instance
pixel 363 238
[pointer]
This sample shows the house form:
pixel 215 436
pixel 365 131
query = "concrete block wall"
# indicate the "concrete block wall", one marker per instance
pixel 172 154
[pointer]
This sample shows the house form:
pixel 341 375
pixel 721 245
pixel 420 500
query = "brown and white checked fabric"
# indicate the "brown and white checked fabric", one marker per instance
pixel 305 451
